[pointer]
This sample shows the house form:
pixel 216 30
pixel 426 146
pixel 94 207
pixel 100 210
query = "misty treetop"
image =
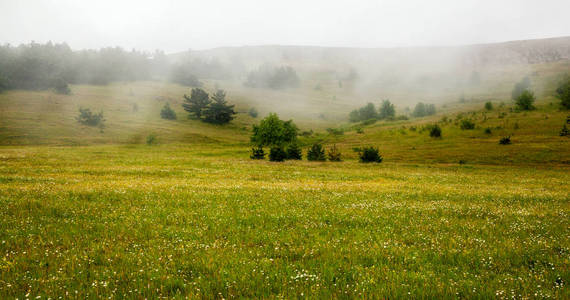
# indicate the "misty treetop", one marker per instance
pixel 267 76
pixel 422 110
pixel 387 110
pixel 215 110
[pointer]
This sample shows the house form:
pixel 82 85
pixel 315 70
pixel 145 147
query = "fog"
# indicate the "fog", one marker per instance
pixel 175 26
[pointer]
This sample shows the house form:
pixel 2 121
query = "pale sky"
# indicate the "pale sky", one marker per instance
pixel 173 25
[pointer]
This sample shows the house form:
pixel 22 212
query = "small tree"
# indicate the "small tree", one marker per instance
pixel 252 112
pixel 505 140
pixel 419 110
pixel 277 154
pixel 525 100
pixel 61 87
pixel 294 152
pixel 564 131
pixel 387 110
pixel 367 112
pixel 196 103
pixel 218 111
pixel 369 154
pixel 316 153
pixel 167 112
pixel 334 154
pixel 273 131
pixel 563 92
pixel 354 116
pixel 489 106
pixel 435 131
pixel 257 153
pixel 467 125
pixel 520 87
pixel 86 117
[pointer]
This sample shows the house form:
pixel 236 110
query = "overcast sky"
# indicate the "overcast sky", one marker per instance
pixel 180 25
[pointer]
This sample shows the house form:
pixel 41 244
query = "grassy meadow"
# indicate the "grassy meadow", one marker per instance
pixel 90 213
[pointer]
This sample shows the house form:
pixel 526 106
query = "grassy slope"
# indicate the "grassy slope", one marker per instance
pixel 195 216
pixel 203 220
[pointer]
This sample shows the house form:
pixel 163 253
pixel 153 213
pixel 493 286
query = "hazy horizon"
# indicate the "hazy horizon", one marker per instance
pixel 175 26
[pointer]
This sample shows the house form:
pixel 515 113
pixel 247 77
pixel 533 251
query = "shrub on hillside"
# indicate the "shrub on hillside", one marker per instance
pixel 316 153
pixel 435 131
pixel 253 112
pixel 525 100
pixel 151 139
pixel 489 106
pixel 335 131
pixel 167 112
pixel 334 154
pixel 488 130
pixel 564 131
pixel 61 87
pixel 277 154
pixel 505 140
pixel 467 125
pixel 422 110
pixel 520 87
pixel 369 154
pixel 86 117
pixel 294 152
pixel 563 92
pixel 257 153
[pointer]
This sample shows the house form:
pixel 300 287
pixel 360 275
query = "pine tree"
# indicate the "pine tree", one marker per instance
pixel 196 103
pixel 219 112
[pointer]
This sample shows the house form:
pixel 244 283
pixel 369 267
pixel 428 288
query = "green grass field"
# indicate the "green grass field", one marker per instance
pixel 100 214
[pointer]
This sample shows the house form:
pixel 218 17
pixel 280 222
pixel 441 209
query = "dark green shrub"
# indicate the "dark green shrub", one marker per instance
pixel 369 154
pixel 252 112
pixel 151 139
pixel 334 131
pixel 61 87
pixel 86 117
pixel 563 92
pixel 435 131
pixel 316 153
pixel 489 106
pixel 467 125
pixel 294 152
pixel 525 100
pixel 334 154
pixel 257 153
pixel 167 112
pixel 505 140
pixel 369 122
pixel 277 154
pixel 564 131
pixel 488 130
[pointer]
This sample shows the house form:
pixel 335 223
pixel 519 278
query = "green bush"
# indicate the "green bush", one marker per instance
pixel 334 131
pixel 277 154
pixel 369 154
pixel 257 153
pixel 488 130
pixel 334 154
pixel 489 106
pixel 316 153
pixel 253 112
pixel 151 139
pixel 467 125
pixel 564 131
pixel 86 117
pixel 167 112
pixel 61 87
pixel 294 152
pixel 505 140
pixel 435 131
pixel 563 92
pixel 525 100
